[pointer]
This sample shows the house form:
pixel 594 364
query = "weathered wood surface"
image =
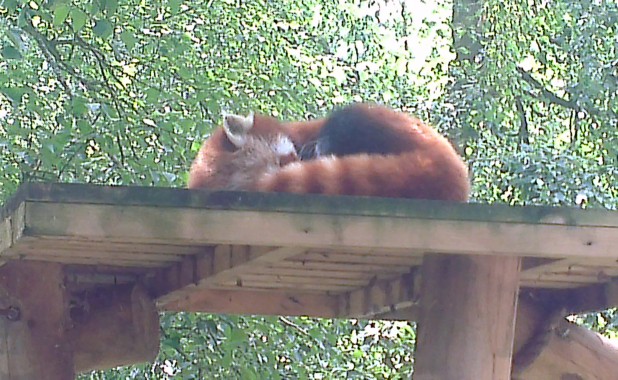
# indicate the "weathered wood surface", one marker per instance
pixel 572 352
pixel 35 345
pixel 549 347
pixel 351 249
pixel 113 326
pixel 467 317
pixel 283 254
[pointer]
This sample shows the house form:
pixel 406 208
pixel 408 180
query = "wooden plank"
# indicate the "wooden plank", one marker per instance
pixel 467 317
pixel 175 281
pixel 96 262
pixel 230 263
pixel 255 302
pixel 567 264
pixel 357 258
pixel 551 284
pixel 570 272
pixel 63 242
pixel 307 204
pixel 220 265
pixel 318 231
pixel 570 277
pixel 340 267
pixel 381 297
pixel 316 275
pixel 305 287
pixel 276 280
pixel 41 253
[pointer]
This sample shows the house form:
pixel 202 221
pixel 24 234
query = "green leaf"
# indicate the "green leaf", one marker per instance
pixel 103 29
pixel 78 19
pixel 61 12
pixel 84 126
pixel 10 5
pixel 174 5
pixel 14 93
pixel 152 95
pixel 10 52
pixel 185 72
pixel 111 6
pixel 15 35
pixel 128 38
pixel 78 106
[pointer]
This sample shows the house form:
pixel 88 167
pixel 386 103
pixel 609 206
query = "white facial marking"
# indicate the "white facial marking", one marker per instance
pixel 284 147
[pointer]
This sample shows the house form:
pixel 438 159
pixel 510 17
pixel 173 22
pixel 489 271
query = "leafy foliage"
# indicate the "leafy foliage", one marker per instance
pixel 124 91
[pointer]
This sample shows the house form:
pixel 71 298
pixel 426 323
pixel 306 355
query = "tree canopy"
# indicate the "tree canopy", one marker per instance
pixel 124 91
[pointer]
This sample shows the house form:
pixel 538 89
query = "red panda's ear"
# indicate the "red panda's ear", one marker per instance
pixel 236 128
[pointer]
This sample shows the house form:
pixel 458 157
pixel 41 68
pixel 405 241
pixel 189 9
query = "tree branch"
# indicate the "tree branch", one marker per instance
pixel 553 98
pixel 523 125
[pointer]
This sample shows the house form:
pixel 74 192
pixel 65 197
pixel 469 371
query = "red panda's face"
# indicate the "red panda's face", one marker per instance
pixel 247 133
pixel 245 148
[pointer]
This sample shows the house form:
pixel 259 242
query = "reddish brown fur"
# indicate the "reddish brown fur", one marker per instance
pixel 211 168
pixel 423 164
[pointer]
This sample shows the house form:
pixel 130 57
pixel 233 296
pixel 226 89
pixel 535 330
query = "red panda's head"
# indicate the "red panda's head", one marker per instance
pixel 236 154
pixel 262 135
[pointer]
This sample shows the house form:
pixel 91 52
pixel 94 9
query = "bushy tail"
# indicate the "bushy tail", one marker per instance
pixel 421 174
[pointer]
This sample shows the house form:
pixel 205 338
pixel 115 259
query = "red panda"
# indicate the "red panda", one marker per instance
pixel 362 149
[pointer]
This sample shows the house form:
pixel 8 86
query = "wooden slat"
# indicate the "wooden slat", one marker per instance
pixel 318 231
pixel 230 263
pixel 255 302
pixel 381 297
pixel 63 242
pixel 315 274
pixel 96 262
pixel 93 253
pixel 298 288
pixel 340 267
pixel 351 258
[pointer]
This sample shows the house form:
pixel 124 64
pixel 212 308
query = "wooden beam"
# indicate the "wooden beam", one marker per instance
pixel 12 227
pixel 229 263
pixel 215 266
pixel 549 347
pixel 573 352
pixel 255 302
pixel 546 346
pixel 113 326
pixel 34 345
pixel 129 196
pixel 326 231
pixel 381 297
pixel 467 317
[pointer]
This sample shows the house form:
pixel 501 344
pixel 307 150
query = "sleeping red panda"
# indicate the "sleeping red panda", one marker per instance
pixel 362 149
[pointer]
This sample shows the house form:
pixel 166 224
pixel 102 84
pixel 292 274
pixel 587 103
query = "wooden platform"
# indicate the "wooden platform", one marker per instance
pixel 250 253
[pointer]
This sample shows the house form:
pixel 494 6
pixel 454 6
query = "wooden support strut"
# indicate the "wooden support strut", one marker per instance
pixel 43 337
pixel 467 317
pixel 117 326
pixel 34 345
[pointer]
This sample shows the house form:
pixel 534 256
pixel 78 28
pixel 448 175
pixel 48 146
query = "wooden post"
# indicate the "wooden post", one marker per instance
pixel 32 344
pixel 467 317
pixel 547 346
pixel 118 326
